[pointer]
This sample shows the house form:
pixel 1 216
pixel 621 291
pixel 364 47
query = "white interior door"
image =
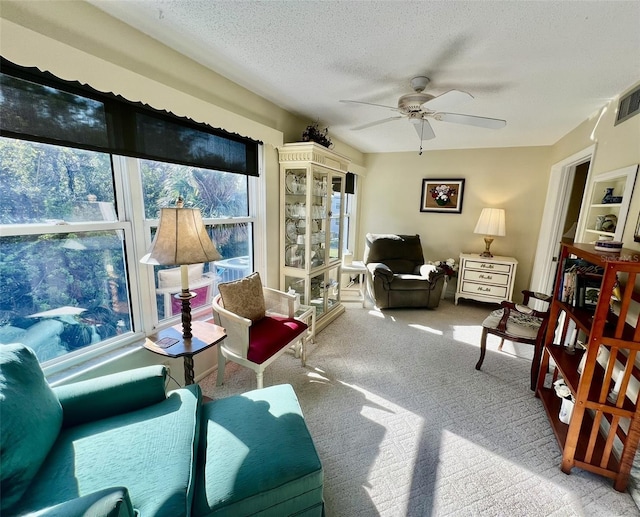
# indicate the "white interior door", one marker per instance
pixel 555 212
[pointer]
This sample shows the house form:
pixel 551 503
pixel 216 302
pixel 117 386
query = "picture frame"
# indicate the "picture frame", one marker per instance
pixel 442 195
pixel 636 234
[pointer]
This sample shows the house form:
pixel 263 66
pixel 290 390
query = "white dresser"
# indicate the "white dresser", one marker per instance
pixel 486 279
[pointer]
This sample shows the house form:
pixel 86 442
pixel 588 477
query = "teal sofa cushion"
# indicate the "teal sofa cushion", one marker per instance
pixel 150 451
pixel 110 502
pixel 111 395
pixel 257 456
pixel 30 422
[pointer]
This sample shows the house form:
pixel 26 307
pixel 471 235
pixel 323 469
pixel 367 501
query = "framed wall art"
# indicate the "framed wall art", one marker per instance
pixel 442 195
pixel 636 234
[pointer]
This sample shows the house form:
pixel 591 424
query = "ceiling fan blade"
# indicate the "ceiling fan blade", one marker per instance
pixel 471 120
pixel 447 99
pixel 394 108
pixel 371 124
pixel 423 128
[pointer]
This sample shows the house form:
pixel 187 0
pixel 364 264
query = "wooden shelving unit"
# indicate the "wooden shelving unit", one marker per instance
pixel 603 433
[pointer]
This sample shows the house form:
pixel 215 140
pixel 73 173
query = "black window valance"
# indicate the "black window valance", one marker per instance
pixel 38 106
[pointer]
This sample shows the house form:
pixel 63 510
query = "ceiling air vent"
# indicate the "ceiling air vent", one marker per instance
pixel 629 106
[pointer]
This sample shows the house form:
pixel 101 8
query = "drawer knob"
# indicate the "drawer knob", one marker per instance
pixel 487 266
pixel 487 277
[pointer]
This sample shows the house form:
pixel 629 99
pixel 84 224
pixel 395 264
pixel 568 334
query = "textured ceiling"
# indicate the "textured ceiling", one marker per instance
pixel 544 67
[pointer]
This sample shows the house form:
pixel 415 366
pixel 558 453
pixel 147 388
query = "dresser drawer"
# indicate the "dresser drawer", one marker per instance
pixel 484 289
pixel 488 277
pixel 488 266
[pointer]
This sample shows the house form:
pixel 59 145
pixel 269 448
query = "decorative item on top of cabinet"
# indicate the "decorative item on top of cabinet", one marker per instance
pixel 312 209
pixel 602 370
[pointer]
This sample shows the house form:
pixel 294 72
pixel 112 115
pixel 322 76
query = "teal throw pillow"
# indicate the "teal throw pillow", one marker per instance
pixel 30 421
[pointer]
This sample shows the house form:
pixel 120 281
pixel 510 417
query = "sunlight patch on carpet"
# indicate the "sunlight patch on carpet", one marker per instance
pixel 427 329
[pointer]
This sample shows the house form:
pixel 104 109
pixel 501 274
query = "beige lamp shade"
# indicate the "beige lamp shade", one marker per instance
pixel 181 239
pixel 491 222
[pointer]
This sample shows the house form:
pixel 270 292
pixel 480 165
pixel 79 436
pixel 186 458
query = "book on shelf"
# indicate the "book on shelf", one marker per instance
pixel 588 290
pixel 578 275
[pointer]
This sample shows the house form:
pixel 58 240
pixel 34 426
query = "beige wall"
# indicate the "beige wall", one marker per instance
pixel 513 178
pixel 616 147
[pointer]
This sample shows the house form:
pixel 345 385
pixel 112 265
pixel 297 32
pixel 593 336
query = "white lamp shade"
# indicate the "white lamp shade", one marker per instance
pixel 491 222
pixel 181 239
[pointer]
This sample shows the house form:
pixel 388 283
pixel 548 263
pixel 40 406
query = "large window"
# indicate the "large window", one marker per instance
pixel 63 280
pixel 83 176
pixel 64 257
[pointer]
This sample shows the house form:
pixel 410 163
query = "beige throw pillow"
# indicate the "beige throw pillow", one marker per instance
pixel 244 297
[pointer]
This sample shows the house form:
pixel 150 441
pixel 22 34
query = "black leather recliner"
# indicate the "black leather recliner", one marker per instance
pixel 397 275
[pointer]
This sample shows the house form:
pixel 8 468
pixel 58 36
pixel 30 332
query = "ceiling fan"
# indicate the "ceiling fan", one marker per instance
pixel 418 107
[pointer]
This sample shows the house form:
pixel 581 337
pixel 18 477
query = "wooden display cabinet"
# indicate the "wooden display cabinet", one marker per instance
pixel 604 428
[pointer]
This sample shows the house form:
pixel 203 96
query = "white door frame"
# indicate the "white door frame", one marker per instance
pixel 555 212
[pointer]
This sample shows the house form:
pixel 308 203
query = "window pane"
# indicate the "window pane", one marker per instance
pixel 43 183
pixel 217 194
pixel 76 297
pixel 233 241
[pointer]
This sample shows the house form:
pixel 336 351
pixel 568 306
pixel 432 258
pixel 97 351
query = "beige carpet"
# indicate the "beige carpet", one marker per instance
pixel 405 426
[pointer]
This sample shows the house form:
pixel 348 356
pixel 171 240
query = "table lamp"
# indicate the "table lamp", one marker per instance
pixel 181 239
pixel 490 224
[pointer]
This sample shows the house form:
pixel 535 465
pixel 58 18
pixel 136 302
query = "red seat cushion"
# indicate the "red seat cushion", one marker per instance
pixel 270 334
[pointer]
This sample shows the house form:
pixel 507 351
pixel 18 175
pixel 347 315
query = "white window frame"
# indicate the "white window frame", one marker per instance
pixel 140 279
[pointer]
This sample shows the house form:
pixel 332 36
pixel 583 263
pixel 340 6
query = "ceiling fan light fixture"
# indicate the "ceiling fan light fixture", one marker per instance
pixel 419 83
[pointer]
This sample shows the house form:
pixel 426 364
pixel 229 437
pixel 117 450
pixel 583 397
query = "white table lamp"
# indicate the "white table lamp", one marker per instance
pixel 181 239
pixel 490 224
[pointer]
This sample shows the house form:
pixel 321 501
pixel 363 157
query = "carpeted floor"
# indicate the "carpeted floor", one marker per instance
pixel 405 426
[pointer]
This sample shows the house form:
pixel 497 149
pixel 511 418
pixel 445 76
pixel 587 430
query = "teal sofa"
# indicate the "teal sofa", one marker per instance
pixel 119 445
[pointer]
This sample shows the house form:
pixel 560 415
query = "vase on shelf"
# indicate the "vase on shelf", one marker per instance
pixel 608 195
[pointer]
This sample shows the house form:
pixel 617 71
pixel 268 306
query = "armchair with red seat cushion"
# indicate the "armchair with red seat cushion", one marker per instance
pixel 260 325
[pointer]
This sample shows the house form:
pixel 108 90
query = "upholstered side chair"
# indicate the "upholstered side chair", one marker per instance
pixel 519 323
pixel 260 325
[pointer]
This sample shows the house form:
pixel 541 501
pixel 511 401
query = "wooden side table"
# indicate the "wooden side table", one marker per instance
pixel 170 343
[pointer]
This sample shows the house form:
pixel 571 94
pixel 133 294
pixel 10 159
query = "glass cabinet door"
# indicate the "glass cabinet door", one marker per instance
pixel 318 218
pixel 295 217
pixel 317 294
pixel 332 288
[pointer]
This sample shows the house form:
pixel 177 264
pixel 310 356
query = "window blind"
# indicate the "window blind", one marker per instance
pixel 38 106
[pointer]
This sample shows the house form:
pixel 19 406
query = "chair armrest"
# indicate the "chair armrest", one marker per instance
pixel 109 502
pixel 431 271
pixel 534 294
pixel 278 302
pixel 378 269
pixel 112 394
